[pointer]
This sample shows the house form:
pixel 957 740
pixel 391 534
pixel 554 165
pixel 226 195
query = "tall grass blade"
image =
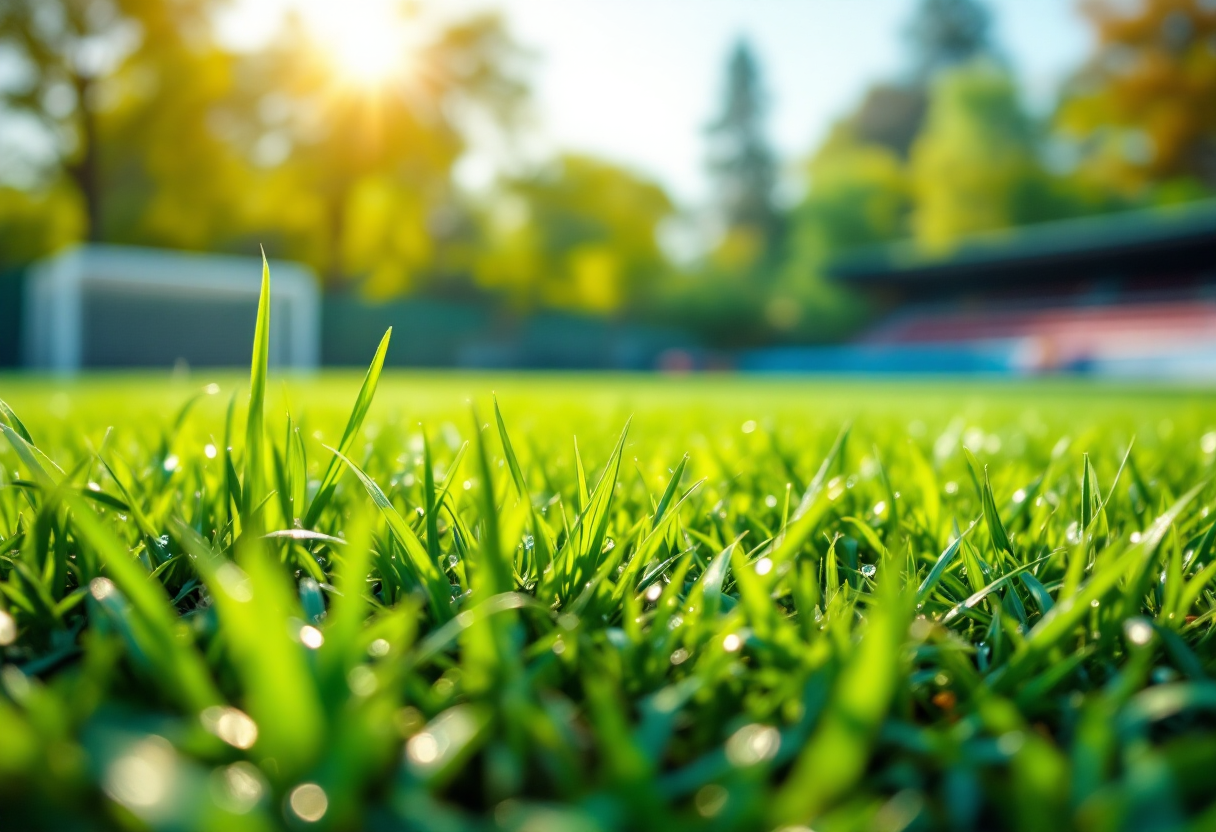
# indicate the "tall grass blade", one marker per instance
pixel 363 403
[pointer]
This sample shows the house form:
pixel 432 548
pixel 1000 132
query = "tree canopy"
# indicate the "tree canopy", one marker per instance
pixel 741 161
pixel 345 154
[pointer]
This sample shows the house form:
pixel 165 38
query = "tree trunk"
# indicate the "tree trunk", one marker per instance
pixel 86 172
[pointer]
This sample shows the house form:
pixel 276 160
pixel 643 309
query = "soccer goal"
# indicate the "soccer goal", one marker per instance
pixel 96 307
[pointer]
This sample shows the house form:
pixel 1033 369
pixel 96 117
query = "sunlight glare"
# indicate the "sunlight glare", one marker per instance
pixel 366 39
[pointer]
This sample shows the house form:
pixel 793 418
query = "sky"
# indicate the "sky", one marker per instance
pixel 636 81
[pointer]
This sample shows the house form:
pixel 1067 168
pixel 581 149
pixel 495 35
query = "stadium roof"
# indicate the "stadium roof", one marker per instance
pixel 1128 244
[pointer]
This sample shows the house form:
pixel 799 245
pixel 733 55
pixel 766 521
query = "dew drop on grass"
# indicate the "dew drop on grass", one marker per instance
pixel 752 744
pixel 869 570
pixel 1139 631
pixel 209 451
pixel 309 802
pixel 764 566
pixel 422 748
pixel 142 777
pixel 679 656
pixel 653 592
pixel 379 648
pixel 8 629
pixel 240 785
pixel 233 726
pixel 731 643
pixel 311 637
pixel 362 681
pixel 101 588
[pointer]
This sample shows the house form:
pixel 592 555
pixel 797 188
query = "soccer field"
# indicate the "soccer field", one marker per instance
pixel 732 604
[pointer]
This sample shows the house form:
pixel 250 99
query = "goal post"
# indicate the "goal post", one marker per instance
pixel 98 306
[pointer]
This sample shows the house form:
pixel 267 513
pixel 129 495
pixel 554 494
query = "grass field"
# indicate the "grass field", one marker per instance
pixel 778 604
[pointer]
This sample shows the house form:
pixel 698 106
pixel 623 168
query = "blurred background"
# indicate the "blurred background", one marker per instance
pixel 888 186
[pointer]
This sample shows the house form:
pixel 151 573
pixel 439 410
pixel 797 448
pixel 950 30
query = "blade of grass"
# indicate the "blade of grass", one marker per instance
pixel 363 403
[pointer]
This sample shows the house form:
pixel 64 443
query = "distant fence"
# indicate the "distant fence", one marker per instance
pixel 1195 362
pixel 429 333
pixel 12 282
pixel 992 357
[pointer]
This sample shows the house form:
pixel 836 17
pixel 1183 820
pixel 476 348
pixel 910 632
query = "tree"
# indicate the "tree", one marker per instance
pixel 890 116
pixel 1143 110
pixel 33 223
pixel 976 146
pixel 580 234
pixel 942 35
pixel 743 165
pixel 381 150
pixel 947 33
pixel 859 195
pixel 66 52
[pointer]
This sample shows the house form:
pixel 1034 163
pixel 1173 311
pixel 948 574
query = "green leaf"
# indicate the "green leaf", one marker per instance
pixel 7 414
pixel 992 518
pixel 363 403
pixel 425 570
pixel 253 489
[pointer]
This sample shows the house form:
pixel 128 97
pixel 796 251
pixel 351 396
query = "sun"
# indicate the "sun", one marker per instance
pixel 367 40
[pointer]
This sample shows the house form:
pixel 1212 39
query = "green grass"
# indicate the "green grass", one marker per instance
pixel 733 604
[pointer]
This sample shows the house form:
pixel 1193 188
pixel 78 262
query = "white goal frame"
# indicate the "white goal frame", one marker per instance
pixel 53 313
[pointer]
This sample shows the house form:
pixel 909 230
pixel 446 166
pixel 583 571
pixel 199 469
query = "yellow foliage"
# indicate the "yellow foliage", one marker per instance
pixel 582 234
pixel 386 236
pixel 597 278
pixel 34 224
pixel 973 153
pixel 739 249
pixel 1145 107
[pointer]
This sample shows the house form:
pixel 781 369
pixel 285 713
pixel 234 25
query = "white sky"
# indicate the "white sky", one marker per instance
pixel 635 81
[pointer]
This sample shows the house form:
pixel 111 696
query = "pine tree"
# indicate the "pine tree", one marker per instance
pixel 742 163
pixel 946 33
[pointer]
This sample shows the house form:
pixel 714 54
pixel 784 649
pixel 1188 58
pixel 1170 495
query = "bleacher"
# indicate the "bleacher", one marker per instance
pixel 1066 338
pixel 1132 294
